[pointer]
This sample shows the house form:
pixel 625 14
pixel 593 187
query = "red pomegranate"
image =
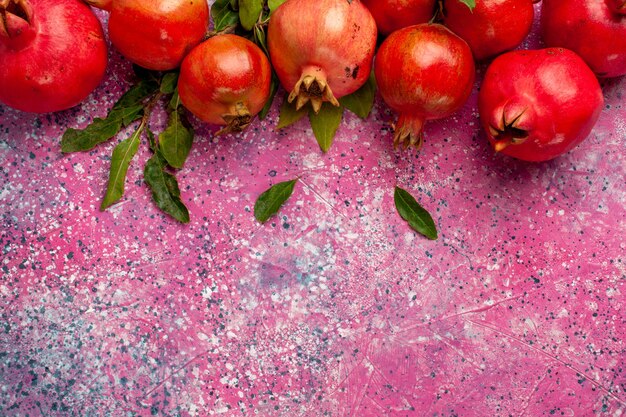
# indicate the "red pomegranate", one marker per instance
pixel 53 54
pixel 537 105
pixel 589 28
pixel 157 34
pixel 492 27
pixel 423 72
pixel 321 50
pixel 225 81
pixel 391 15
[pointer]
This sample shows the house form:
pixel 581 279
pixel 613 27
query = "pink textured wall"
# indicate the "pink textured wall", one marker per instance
pixel 333 308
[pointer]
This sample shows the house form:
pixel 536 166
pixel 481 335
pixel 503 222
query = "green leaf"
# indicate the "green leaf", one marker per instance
pixel 273 4
pixel 152 141
pixel 223 15
pixel 100 130
pixel 130 105
pixel 361 101
pixel 469 3
pixel 417 217
pixel 137 94
pixel 127 109
pixel 174 101
pixel 325 124
pixel 268 105
pixel 165 191
pixel 169 82
pixel 288 114
pixel 120 161
pixel 249 12
pixel 175 142
pixel 270 201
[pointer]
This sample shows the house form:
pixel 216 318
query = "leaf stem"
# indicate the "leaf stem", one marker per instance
pixel 147 112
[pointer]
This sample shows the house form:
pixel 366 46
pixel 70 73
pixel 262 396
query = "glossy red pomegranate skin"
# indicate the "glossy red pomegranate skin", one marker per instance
pixel 157 34
pixel 321 50
pixel 423 72
pixel 492 27
pixel 537 105
pixel 589 28
pixel 391 15
pixel 225 81
pixel 52 54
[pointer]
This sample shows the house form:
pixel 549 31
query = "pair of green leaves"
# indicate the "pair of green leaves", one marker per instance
pixel 228 14
pixel 271 200
pixel 326 123
pixel 171 150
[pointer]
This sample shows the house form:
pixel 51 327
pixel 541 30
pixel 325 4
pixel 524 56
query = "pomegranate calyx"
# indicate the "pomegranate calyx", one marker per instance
pixel 237 120
pixel 314 89
pixel 16 22
pixel 408 132
pixel 509 134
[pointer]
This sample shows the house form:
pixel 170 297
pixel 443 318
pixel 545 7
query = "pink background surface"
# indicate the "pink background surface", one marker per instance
pixel 335 307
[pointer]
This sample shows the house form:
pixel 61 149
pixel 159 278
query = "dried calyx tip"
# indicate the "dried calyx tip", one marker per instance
pixel 408 132
pixel 237 120
pixel 408 139
pixel 19 8
pixel 313 89
pixel 16 21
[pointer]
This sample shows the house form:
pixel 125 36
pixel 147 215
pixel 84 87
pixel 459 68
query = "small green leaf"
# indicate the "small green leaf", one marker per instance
pixel 325 124
pixel 268 105
pixel 127 109
pixel 223 15
pixel 273 4
pixel 174 101
pixel 288 114
pixel 361 101
pixel 469 3
pixel 130 105
pixel 249 12
pixel 417 217
pixel 123 153
pixel 175 142
pixel 165 191
pixel 271 200
pixel 169 82
pixel 100 130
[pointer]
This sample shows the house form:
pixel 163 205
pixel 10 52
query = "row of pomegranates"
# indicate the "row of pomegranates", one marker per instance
pixel 533 104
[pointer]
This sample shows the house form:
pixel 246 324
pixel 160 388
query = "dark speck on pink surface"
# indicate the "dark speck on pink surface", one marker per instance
pixel 335 307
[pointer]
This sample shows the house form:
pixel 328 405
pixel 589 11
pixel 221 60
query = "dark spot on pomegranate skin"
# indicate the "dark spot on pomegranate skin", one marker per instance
pixel 355 32
pixel 347 70
pixel 355 72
